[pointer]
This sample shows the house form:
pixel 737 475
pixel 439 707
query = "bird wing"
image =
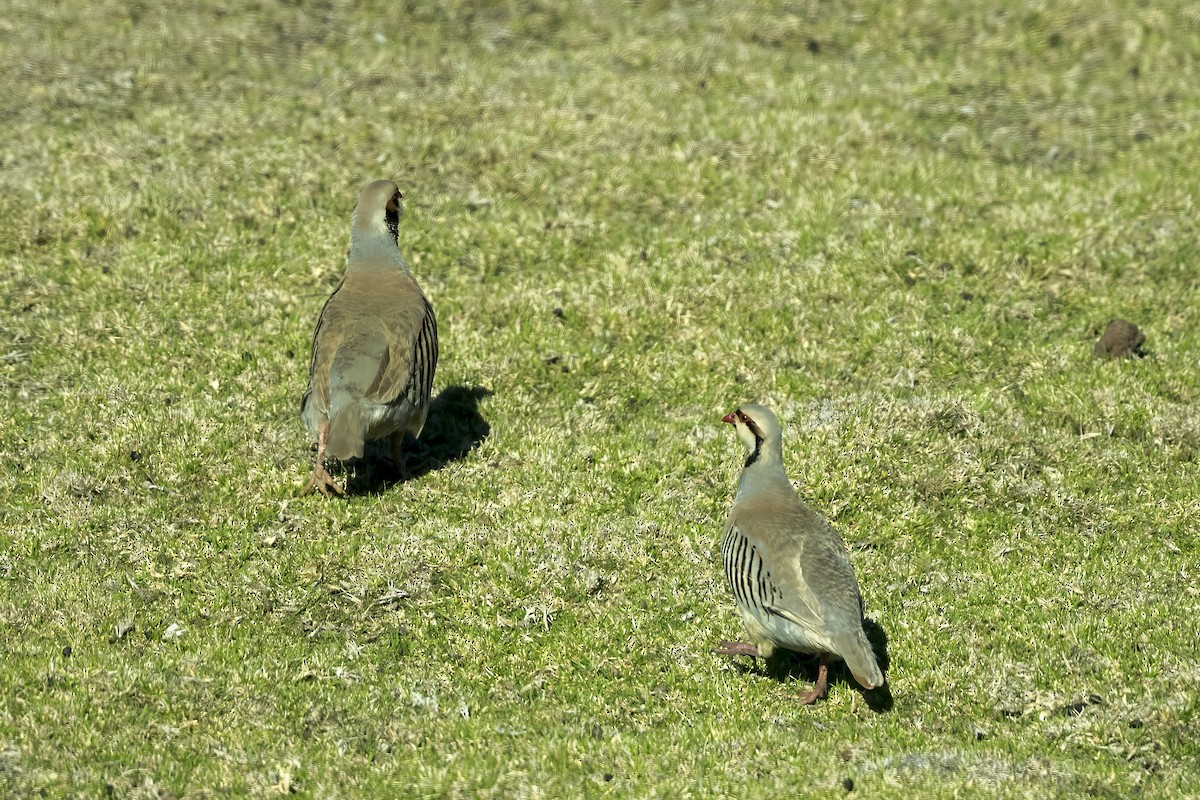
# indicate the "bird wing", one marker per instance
pixel 406 368
pixel 806 563
pixel 758 566
pixel 820 572
pixel 379 333
pixel 818 580
pixel 324 347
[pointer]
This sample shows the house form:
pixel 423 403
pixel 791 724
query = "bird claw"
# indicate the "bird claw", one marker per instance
pixel 321 481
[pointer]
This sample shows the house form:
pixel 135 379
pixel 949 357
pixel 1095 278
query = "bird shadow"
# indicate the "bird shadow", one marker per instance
pixel 786 666
pixel 453 428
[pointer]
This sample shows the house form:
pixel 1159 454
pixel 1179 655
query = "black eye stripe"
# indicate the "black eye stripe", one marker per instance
pixel 749 423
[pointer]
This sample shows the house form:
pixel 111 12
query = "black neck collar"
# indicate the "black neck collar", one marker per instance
pixel 758 441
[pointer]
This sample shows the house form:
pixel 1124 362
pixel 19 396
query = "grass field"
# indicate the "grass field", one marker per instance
pixel 901 225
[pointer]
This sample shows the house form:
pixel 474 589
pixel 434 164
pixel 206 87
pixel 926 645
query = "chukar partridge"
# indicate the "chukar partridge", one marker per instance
pixel 792 580
pixel 375 347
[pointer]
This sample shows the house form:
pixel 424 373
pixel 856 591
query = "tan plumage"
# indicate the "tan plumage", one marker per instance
pixel 375 346
pixel 792 580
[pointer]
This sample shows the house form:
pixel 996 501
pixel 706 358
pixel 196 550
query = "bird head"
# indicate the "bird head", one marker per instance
pixel 755 425
pixel 379 208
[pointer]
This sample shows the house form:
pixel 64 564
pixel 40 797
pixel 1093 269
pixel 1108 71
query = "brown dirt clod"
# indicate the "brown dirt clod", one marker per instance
pixel 1120 339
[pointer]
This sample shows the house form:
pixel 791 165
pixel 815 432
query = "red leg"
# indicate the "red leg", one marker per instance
pixel 821 686
pixel 737 649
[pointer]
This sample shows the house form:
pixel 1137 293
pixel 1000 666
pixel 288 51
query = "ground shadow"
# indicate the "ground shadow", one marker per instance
pixel 453 429
pixel 787 665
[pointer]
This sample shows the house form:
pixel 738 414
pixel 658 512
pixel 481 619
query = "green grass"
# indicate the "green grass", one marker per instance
pixel 902 225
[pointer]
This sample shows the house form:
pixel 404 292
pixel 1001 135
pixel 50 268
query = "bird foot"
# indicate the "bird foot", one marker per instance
pixel 737 649
pixel 820 688
pixel 321 481
pixel 809 698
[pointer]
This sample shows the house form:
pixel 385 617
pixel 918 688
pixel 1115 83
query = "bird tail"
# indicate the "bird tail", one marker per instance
pixel 347 428
pixel 855 649
pixel 347 418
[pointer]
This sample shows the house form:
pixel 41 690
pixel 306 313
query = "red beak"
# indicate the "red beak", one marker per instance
pixel 728 417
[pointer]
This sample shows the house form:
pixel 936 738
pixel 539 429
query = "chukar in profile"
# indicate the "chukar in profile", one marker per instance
pixel 791 577
pixel 375 346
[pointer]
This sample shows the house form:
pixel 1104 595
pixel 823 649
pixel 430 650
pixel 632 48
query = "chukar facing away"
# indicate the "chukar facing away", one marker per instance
pixel 375 346
pixel 791 577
